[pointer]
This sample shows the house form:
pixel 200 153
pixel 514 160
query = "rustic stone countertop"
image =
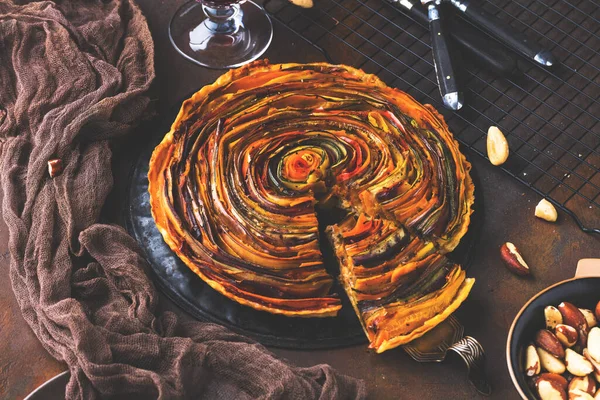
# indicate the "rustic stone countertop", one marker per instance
pixel 552 251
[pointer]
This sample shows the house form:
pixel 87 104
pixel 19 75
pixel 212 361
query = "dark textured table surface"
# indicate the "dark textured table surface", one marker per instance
pixel 552 251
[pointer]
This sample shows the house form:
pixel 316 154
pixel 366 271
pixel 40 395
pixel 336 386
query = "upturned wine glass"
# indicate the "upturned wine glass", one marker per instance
pixel 221 33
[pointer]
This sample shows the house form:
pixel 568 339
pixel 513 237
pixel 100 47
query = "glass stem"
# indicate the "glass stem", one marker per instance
pixel 222 20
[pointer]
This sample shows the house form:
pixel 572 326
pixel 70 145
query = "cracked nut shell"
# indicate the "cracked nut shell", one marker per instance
pixel 567 335
pixel 579 394
pixel 590 318
pixel 546 211
pixel 548 341
pixel 532 361
pixel 553 317
pixel 577 364
pixel 585 383
pixel 513 260
pixel 55 167
pixel 551 386
pixel 593 344
pixel 595 364
pixel 551 363
pixel 497 146
pixel 575 318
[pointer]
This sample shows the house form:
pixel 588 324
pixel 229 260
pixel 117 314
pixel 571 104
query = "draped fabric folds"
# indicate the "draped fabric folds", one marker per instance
pixel 74 75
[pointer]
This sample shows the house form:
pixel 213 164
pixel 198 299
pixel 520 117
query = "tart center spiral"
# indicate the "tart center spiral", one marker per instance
pixel 302 167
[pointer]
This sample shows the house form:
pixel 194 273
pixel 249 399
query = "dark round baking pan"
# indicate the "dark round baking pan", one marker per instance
pixel 188 291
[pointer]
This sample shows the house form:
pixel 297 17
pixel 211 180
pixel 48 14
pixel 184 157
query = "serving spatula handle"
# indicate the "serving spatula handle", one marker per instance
pixel 471 352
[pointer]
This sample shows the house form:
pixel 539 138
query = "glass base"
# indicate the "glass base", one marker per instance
pixel 242 34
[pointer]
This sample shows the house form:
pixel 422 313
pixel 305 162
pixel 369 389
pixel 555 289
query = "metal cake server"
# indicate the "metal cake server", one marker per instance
pixel 448 336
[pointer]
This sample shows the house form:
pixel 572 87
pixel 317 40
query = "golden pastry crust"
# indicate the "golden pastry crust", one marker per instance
pixel 400 339
pixel 234 183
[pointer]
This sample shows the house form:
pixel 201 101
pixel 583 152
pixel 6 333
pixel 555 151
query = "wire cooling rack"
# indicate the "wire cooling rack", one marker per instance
pixel 550 118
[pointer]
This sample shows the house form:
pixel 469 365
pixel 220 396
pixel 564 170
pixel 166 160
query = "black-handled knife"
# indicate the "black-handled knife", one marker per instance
pixel 488 53
pixel 442 60
pixel 507 35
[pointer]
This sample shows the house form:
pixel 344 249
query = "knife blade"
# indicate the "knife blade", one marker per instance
pixel 488 53
pixel 505 33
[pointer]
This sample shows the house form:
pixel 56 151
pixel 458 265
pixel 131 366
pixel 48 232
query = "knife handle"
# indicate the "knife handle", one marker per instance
pixel 442 60
pixel 505 33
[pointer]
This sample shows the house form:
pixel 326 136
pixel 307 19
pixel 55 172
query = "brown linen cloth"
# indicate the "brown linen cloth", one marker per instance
pixel 72 76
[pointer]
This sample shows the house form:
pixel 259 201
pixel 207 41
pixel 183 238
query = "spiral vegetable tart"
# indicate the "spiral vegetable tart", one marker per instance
pixel 234 185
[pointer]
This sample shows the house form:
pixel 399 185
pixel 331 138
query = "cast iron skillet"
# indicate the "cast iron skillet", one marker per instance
pixel 583 290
